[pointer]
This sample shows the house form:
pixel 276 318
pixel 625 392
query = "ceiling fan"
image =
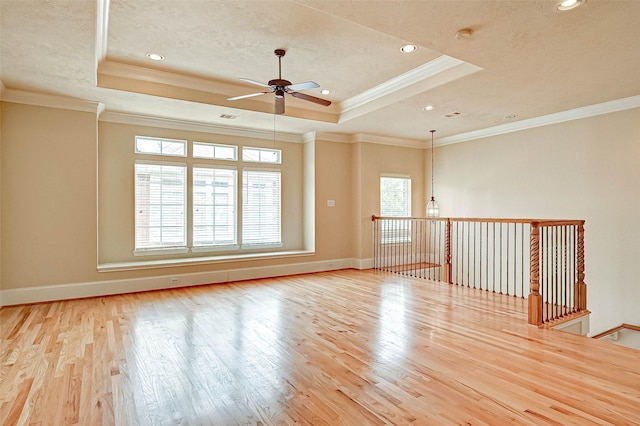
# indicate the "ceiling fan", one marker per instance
pixel 280 87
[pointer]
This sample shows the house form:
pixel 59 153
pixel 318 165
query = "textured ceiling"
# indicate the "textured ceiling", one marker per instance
pixel 523 58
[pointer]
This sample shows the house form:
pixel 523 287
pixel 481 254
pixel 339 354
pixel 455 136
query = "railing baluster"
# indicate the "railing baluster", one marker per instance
pixel 425 247
pixel 534 299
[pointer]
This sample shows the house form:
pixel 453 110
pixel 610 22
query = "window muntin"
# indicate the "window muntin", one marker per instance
pixel 160 146
pixel 214 206
pixel 160 203
pixel 261 207
pixel 395 201
pixel 215 151
pixel 261 155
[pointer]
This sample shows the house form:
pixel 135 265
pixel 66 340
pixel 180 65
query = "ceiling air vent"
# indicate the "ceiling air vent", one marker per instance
pixel 453 114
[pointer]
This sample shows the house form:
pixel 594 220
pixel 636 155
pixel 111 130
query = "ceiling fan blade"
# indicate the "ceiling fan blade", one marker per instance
pixel 310 98
pixel 251 95
pixel 303 86
pixel 279 108
pixel 257 83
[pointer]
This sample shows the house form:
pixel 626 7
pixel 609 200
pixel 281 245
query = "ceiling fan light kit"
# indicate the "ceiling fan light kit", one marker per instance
pixel 279 87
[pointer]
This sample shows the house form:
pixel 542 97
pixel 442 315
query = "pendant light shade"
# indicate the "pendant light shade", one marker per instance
pixel 433 210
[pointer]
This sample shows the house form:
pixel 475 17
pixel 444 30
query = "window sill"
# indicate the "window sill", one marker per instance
pixel 168 263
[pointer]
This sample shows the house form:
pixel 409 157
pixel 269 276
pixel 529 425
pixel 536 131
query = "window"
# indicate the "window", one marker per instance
pixel 160 203
pixel 395 201
pixel 215 151
pixel 214 206
pixel 261 155
pixel 261 207
pixel 146 145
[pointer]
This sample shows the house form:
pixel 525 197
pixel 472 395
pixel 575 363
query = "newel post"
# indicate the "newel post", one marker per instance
pixel 535 299
pixel 580 292
pixel 447 248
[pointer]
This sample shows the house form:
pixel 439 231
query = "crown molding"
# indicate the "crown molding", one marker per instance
pixel 545 120
pixel 309 137
pixel 368 138
pixel 135 72
pixel 194 126
pixel 334 137
pixel 102 28
pixel 52 101
pixel 423 72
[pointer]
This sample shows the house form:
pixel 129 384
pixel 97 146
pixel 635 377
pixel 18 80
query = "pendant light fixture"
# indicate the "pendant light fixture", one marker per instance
pixel 432 207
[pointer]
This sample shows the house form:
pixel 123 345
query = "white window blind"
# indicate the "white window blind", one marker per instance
pixel 261 207
pixel 395 201
pixel 214 206
pixel 160 200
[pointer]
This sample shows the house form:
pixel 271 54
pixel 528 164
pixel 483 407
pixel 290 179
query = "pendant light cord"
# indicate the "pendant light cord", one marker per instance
pixel 432 184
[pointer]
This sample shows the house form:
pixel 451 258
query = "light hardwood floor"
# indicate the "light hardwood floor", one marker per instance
pixel 347 347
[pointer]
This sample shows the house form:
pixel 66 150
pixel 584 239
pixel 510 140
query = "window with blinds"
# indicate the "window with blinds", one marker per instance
pixel 217 185
pixel 261 207
pixel 395 201
pixel 160 203
pixel 214 206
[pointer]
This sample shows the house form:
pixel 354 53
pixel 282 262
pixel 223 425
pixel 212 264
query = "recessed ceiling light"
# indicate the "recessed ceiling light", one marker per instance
pixel 570 4
pixel 155 56
pixel 325 92
pixel 428 108
pixel 408 48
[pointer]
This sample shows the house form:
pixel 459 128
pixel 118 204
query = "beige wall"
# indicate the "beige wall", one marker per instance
pixel 371 161
pixel 51 172
pixel 584 169
pixel 1 196
pixel 49 196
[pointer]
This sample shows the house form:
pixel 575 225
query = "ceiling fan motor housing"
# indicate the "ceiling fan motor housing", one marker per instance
pixel 279 83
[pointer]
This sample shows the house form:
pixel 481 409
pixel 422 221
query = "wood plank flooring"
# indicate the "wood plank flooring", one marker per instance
pixel 337 348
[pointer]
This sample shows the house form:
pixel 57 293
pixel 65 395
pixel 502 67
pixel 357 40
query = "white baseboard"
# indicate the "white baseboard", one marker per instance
pixel 50 293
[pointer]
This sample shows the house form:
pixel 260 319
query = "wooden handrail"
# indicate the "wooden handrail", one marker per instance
pixel 618 328
pixel 541 222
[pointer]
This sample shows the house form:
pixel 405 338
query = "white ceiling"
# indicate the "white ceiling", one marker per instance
pixel 524 58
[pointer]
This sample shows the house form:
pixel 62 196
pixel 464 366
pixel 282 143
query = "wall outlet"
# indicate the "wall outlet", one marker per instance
pixel 174 280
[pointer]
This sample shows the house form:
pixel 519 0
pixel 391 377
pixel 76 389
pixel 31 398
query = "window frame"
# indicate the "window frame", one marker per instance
pixel 214 247
pixel 269 244
pixel 183 142
pixel 161 249
pixel 214 146
pixel 402 232
pixel 260 150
